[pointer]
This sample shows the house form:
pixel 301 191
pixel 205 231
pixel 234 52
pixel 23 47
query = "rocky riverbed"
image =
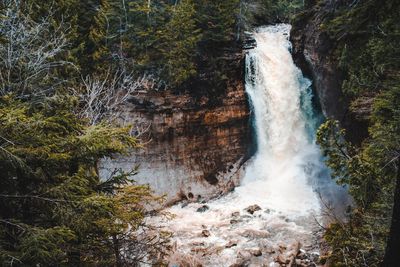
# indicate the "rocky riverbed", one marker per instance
pixel 230 232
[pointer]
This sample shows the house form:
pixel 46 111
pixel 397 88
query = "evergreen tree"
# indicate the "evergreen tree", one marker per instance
pixel 54 207
pixel 366 35
pixel 93 34
pixel 217 20
pixel 147 23
pixel 181 37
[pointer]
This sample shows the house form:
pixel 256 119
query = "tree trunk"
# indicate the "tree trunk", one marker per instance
pixel 117 253
pixel 392 254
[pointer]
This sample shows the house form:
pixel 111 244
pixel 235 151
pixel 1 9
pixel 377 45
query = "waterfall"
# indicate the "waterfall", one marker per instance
pixel 281 181
pixel 286 158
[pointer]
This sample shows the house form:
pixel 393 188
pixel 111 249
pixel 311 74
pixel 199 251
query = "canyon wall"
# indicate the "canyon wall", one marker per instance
pixel 192 149
pixel 313 51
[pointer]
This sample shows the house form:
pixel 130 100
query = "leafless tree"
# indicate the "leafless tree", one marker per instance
pixel 101 98
pixel 29 52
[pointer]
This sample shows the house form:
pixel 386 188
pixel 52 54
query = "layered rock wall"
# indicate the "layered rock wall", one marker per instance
pixel 192 149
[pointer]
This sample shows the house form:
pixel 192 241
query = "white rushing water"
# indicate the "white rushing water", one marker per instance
pixel 286 158
pixel 282 178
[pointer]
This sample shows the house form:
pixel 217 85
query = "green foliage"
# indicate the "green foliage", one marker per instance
pixel 55 209
pixel 369 172
pixel 181 37
pixel 367 37
pixel 52 200
pixel 217 20
pixel 92 39
pixel 282 10
pixel 146 21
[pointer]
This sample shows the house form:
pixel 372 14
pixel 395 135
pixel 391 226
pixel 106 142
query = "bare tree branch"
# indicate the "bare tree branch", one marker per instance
pixel 30 51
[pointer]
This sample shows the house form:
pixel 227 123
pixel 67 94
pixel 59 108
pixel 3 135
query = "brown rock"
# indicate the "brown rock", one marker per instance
pixel 205 233
pixel 281 259
pixel 253 208
pixel 244 254
pixel 231 244
pixel 236 214
pixel 256 252
pixel 189 140
pixel 249 233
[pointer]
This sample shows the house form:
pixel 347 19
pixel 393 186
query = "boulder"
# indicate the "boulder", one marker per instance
pixel 256 252
pixel 253 208
pixel 205 233
pixel 236 214
pixel 281 259
pixel 231 244
pixel 250 233
pixel 234 221
pixel 203 208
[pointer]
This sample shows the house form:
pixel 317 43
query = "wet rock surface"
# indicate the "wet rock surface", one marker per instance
pixel 253 208
pixel 203 208
pixel 313 52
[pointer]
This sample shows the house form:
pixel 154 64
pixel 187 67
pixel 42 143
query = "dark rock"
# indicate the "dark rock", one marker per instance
pixel 253 208
pixel 203 208
pixel 236 214
pixel 271 251
pixel 256 252
pixel 205 233
pixel 231 244
pixel 249 41
pixel 313 52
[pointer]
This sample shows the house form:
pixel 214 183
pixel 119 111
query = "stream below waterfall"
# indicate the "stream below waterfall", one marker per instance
pixel 273 217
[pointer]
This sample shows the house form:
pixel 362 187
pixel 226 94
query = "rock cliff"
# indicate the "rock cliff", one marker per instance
pixel 192 149
pixel 313 51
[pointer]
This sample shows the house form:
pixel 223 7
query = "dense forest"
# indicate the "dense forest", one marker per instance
pixel 366 35
pixel 67 67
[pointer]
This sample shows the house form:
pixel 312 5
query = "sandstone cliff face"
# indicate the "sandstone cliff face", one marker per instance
pixel 313 53
pixel 192 149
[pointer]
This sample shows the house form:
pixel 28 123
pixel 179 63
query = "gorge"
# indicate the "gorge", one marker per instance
pixel 190 133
